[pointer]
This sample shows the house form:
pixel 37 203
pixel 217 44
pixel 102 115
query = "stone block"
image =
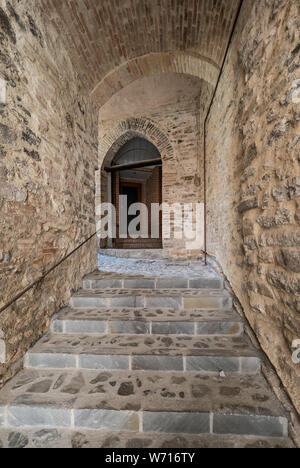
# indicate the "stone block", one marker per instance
pixel 173 328
pixel 157 363
pixel 250 365
pixel 289 259
pixel 139 284
pixel 130 328
pixel 176 423
pixel 104 362
pixel 85 326
pixel 38 416
pixel 206 283
pixel 104 284
pixel 57 326
pixel 212 364
pixel 7 135
pixel 250 425
pixel 172 283
pixel 2 352
pixel 207 302
pixel 107 420
pixel 248 205
pixel 130 301
pixel 2 92
pixel 164 302
pixel 219 328
pixel 50 361
pixel 91 302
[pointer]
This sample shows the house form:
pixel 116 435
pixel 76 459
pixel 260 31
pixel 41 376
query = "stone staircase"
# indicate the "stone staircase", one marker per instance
pixel 139 361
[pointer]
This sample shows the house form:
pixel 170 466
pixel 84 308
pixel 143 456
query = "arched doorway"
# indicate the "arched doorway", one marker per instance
pixel 136 178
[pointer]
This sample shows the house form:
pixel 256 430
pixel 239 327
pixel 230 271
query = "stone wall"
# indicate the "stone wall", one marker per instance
pixel 48 158
pixel 254 177
pixel 182 162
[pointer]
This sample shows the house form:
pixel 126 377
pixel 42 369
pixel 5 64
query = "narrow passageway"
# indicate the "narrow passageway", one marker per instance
pixel 149 223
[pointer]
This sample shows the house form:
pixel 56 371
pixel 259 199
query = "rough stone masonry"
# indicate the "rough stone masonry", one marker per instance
pixel 46 186
pixel 254 177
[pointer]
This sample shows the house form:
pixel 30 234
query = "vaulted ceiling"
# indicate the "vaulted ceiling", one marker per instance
pixel 114 42
pixel 151 93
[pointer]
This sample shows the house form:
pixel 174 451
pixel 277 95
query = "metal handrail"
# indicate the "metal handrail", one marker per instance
pixel 135 165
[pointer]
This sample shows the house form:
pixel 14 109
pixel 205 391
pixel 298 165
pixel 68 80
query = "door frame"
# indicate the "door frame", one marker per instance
pixel 116 188
pixel 138 185
pixel 117 243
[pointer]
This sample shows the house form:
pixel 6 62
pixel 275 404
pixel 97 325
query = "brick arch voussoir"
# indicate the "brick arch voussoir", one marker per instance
pixel 112 141
pixel 154 64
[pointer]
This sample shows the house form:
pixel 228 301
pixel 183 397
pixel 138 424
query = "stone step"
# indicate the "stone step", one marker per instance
pixel 144 352
pixel 152 254
pixel 143 402
pixel 150 315
pixel 143 298
pixel 43 438
pixel 102 280
pixel 145 321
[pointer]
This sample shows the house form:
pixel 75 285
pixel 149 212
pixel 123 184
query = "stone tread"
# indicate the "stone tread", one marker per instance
pixel 149 315
pixel 63 438
pixel 141 391
pixel 151 293
pixel 100 280
pixel 106 275
pixel 161 345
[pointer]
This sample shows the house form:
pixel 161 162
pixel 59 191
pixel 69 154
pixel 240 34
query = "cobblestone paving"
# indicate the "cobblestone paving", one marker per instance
pixel 155 267
pixel 148 315
pixel 148 391
pixel 144 345
pixel 151 293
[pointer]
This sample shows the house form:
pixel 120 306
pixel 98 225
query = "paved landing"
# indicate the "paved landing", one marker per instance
pixel 155 267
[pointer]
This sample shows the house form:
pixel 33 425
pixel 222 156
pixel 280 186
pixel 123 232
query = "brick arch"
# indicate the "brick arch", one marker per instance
pixel 154 64
pixel 112 141
pixel 101 35
pixel 110 144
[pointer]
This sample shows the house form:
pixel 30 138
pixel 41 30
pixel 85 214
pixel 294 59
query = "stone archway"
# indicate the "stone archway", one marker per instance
pixel 154 64
pixel 118 135
pixel 113 141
